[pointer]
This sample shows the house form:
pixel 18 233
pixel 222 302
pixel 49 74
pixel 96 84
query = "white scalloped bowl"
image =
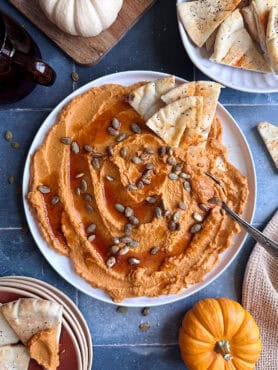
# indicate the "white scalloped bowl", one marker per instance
pixel 236 78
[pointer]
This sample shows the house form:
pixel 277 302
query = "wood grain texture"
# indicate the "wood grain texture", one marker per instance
pixel 83 50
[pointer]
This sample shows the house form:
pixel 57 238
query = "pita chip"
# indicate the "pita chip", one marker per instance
pixel 210 92
pixel 170 122
pixel 250 22
pixel 146 99
pixel 272 38
pixel 235 47
pixel 269 134
pixel 27 316
pixel 261 9
pixel 14 358
pixel 201 18
pixel 7 335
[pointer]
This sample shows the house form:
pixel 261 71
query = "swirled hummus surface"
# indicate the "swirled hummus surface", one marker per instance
pixel 132 214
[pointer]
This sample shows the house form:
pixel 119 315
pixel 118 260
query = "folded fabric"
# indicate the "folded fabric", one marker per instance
pixel 260 297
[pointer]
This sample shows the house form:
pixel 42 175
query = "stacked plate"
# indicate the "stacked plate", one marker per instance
pixel 75 343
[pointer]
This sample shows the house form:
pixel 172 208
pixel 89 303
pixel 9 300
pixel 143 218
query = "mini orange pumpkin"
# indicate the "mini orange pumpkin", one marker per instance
pixel 219 334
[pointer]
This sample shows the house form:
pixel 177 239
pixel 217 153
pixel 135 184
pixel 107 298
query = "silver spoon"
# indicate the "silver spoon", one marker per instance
pixel 270 245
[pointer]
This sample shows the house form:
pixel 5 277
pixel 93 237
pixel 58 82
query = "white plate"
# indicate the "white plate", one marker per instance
pixel 235 78
pixel 239 155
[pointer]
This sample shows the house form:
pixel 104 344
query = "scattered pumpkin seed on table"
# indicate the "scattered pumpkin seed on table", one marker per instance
pixel 75 76
pixel 11 180
pixel 8 135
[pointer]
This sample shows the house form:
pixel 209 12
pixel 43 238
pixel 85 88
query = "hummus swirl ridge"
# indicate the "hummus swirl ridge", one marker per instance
pixel 180 257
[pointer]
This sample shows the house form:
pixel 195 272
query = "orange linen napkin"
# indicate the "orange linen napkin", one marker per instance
pixel 260 297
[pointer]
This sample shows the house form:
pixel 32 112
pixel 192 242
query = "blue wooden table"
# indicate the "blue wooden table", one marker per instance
pixel 153 44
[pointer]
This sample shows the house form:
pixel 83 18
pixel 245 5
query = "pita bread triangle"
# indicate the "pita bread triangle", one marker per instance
pixel 7 335
pixel 210 92
pixel 234 46
pixel 146 99
pixel 269 134
pixel 261 9
pixel 201 18
pixel 170 122
pixel 14 358
pixel 272 38
pixel 28 316
pixel 250 22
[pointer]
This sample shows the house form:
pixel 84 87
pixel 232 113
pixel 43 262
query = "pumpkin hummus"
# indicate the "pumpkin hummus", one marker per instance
pixel 103 195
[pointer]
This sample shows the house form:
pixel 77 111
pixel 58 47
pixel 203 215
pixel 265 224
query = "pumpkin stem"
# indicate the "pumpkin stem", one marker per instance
pixel 224 348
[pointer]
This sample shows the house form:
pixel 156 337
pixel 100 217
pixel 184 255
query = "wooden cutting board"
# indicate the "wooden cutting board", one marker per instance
pixel 85 50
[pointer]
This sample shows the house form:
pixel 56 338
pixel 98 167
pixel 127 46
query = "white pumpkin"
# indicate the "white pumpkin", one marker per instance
pixel 82 17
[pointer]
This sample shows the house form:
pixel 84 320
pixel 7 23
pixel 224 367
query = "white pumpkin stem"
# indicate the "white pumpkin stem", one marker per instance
pixel 223 346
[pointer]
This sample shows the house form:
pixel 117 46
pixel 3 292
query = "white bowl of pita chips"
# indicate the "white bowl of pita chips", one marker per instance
pixel 233 42
pixel 34 331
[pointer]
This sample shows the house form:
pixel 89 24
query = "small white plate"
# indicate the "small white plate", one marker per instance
pixel 239 155
pixel 235 78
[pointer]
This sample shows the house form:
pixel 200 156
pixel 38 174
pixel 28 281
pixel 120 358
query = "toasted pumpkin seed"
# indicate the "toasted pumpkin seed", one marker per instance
pixel 133 261
pixel 135 128
pixel 123 152
pixel 122 309
pixel 116 240
pixel 133 244
pixel 119 207
pixel 148 150
pixel 110 150
pixel 176 216
pixel 98 155
pixel 91 238
pixel 95 163
pixel 177 167
pixel 145 311
pixel 114 249
pixel 88 148
pixel 8 135
pixel 149 166
pixel 173 176
pixel 169 150
pixel 123 250
pixel 111 262
pixel 129 212
pixel 83 185
pixel 197 217
pixel 171 161
pixel 78 191
pixel 182 206
pixel 91 228
pixel 136 160
pixel 116 124
pixel 151 199
pixel 162 151
pixel 65 140
pixel 133 220
pixel 195 228
pixel 158 212
pixel 89 208
pixel 55 200
pixel 81 174
pixel 185 176
pixel 203 207
pixel 15 145
pixel 147 181
pixel 131 187
pixel 112 131
pixel 44 189
pixel 144 326
pixel 11 180
pixel 109 178
pixel 140 184
pixel 172 225
pixel 187 186
pixel 87 197
pixel 121 137
pixel 75 147
pixel 166 213
pixel 154 250
pixel 128 229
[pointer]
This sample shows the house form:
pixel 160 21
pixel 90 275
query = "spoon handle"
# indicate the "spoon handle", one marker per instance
pixel 270 245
